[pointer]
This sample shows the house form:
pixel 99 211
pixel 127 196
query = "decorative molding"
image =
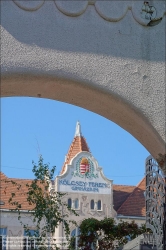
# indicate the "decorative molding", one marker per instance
pixel 84 198
pixel 91 158
pixel 112 11
pixel 85 208
pixel 72 8
pixel 15 233
pixel 155 200
pixel 138 8
pixel 29 5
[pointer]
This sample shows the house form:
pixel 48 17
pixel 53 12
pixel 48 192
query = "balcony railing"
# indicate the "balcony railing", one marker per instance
pixel 31 243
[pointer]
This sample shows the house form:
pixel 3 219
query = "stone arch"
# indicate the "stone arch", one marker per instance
pixel 104 103
pixel 104 56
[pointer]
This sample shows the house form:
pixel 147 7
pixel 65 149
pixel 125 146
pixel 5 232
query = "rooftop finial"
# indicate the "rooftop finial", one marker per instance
pixel 78 129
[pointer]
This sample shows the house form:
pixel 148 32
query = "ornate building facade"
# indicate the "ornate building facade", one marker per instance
pixel 87 190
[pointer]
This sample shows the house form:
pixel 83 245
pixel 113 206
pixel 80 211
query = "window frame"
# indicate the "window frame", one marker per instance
pixel 70 202
pixel 32 229
pixel 75 233
pixel 3 227
pixel 3 237
pixel 93 204
pixel 76 208
pixel 100 206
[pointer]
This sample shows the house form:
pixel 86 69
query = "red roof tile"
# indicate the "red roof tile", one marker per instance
pixel 78 145
pixel 6 188
pixel 134 205
pixel 120 194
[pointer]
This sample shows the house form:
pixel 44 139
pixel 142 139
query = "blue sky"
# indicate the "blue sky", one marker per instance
pixel 33 126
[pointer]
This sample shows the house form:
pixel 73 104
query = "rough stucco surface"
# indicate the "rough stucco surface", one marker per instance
pixel 101 57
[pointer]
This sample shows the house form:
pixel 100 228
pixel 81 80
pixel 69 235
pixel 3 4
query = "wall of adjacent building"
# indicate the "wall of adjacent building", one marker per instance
pixel 9 220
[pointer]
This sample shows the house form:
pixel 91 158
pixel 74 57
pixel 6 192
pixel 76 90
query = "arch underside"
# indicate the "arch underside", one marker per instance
pixel 106 104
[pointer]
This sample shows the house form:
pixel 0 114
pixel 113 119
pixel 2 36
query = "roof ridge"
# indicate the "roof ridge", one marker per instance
pixel 140 182
pixel 2 174
pixel 9 178
pixel 124 185
pixel 130 195
pixel 83 138
pixel 19 179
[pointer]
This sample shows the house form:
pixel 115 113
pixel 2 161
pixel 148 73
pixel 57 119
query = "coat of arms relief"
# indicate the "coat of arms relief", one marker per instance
pixel 85 169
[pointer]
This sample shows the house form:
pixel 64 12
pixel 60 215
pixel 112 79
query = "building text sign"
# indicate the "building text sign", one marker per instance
pixel 84 186
pixel 84 177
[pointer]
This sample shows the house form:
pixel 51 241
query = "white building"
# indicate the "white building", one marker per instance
pixel 89 192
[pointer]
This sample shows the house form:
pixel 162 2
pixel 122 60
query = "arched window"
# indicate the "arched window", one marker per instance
pixel 75 234
pixel 69 203
pixel 99 205
pixel 76 203
pixel 92 204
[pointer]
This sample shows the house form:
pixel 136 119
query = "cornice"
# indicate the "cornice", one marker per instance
pixel 111 11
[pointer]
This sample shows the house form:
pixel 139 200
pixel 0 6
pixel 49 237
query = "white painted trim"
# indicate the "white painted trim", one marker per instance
pixel 130 217
pixel 13 211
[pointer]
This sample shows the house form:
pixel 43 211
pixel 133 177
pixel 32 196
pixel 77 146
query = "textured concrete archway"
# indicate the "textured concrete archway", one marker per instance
pixel 101 56
pixel 106 104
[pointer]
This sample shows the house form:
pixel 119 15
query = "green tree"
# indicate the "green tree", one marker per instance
pixel 107 234
pixel 46 204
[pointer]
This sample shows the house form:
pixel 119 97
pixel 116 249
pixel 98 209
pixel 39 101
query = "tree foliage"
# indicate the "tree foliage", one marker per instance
pixel 46 204
pixel 107 234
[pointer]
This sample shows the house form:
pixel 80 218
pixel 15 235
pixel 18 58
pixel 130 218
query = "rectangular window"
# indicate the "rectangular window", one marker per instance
pixel 69 203
pixel 3 232
pixel 31 233
pixel 29 242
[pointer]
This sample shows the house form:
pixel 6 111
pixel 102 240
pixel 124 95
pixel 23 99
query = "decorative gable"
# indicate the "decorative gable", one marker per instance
pixel 83 175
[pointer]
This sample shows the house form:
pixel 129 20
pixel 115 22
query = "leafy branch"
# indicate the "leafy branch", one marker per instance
pixel 107 234
pixel 45 203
